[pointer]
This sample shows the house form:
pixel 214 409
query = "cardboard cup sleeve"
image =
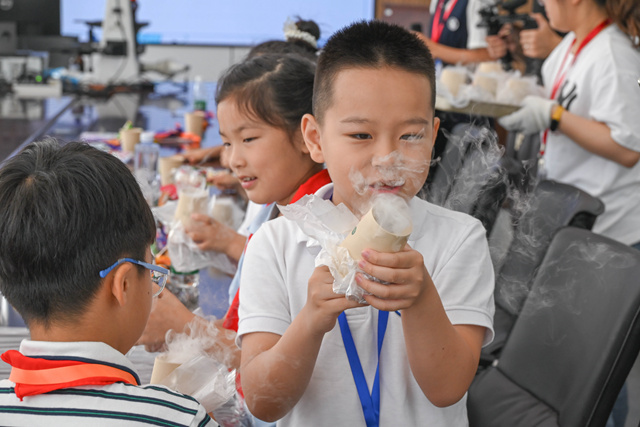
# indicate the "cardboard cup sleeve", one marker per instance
pixel 129 138
pixel 194 123
pixel 488 83
pixel 190 202
pixel 369 234
pixel 167 165
pixel 452 79
pixel 161 369
pixel 489 67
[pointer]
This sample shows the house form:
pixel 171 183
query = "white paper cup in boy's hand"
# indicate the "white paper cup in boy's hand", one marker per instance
pixel 385 228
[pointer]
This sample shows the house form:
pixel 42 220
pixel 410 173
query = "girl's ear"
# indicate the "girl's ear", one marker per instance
pixel 311 135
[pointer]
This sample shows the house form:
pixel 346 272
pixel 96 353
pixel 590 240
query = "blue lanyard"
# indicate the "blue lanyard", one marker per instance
pixel 370 402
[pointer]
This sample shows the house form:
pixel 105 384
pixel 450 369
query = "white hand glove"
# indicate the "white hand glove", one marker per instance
pixel 534 116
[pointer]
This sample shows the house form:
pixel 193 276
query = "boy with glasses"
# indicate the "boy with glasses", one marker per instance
pixel 75 263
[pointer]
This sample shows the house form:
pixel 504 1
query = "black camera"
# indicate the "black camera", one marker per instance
pixel 493 20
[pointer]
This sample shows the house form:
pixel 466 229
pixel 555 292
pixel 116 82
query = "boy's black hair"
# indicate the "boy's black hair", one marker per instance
pixel 369 44
pixel 66 212
pixel 276 89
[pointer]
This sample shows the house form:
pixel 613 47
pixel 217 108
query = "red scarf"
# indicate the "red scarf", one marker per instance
pixel 34 375
pixel 312 185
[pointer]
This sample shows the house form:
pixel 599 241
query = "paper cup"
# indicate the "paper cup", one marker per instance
pixel 489 67
pixel 190 202
pixel 129 138
pixel 222 212
pixel 194 122
pixel 369 234
pixel 519 88
pixel 452 79
pixel 161 369
pixel 487 83
pixel 167 166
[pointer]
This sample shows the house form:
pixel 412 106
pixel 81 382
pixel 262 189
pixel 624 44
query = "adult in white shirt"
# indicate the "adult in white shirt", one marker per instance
pixel 589 118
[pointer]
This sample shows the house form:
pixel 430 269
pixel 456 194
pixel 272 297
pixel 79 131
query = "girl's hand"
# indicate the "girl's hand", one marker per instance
pixel 209 234
pixel 224 181
pixel 323 305
pixel 404 271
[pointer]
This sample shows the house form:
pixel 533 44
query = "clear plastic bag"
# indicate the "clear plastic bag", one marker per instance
pixel 185 254
pixel 342 237
pixel 199 369
pixel 328 224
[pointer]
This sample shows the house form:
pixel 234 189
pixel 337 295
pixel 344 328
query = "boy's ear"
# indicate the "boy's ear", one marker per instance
pixel 434 134
pixel 311 135
pixel 122 282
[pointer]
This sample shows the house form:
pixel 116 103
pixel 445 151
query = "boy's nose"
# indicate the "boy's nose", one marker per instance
pixel 386 153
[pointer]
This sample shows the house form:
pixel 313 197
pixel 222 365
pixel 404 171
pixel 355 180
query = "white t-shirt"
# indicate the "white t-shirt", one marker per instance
pixel 476 36
pixel 602 85
pixel 249 215
pixel 280 260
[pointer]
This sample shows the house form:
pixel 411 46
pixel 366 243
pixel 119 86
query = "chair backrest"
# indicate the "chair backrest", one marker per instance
pixel 521 158
pixel 574 342
pixel 469 177
pixel 551 206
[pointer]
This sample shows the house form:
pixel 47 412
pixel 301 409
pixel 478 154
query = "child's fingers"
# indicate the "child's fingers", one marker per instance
pixel 386 274
pixel 392 291
pixel 406 258
pixel 387 305
pixel 201 218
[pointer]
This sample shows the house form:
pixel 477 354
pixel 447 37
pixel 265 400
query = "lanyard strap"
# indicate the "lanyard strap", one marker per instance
pixel 440 18
pixel 370 402
pixel 562 72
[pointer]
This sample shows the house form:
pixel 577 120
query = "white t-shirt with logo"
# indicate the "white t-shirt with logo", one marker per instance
pixel 602 85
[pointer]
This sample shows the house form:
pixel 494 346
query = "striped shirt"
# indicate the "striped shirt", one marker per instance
pixel 115 404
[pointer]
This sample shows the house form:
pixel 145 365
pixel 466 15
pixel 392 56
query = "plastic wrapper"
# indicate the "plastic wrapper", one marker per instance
pixel 195 365
pixel 451 86
pixel 515 88
pixel 342 237
pixel 185 254
pixel 488 84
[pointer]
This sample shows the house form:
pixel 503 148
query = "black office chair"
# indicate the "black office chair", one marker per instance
pixel 573 344
pixel 469 177
pixel 550 206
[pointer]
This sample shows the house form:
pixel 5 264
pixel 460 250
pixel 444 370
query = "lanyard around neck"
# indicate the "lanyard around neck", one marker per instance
pixel 562 72
pixel 440 18
pixel 370 402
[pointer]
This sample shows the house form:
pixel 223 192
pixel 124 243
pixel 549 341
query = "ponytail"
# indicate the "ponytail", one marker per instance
pixel 304 33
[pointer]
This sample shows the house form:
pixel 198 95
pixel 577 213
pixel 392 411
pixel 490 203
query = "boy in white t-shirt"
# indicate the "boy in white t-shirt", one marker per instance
pixel 418 340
